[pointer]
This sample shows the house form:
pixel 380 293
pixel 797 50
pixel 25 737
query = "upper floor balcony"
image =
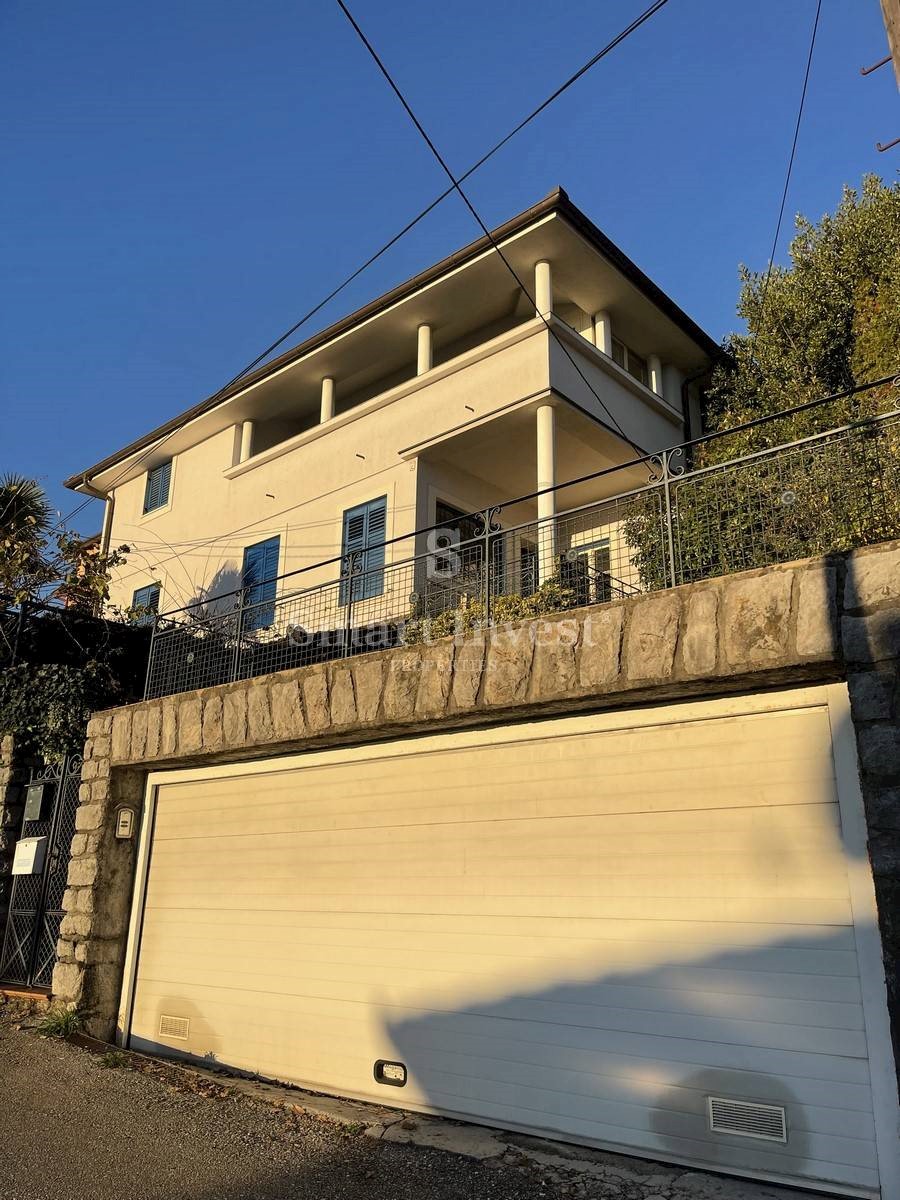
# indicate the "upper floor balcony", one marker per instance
pixel 656 521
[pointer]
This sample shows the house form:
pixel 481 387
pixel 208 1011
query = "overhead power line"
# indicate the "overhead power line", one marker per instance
pixel 787 178
pixel 563 87
pixel 487 233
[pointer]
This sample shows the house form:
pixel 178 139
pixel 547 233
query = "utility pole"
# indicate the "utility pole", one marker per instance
pixel 890 10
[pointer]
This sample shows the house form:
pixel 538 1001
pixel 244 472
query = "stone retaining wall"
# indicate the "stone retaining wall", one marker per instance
pixel 819 619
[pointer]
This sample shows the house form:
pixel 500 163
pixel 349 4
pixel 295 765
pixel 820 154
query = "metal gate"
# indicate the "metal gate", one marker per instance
pixel 35 903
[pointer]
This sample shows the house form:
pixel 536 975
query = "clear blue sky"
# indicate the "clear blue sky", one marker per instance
pixel 183 180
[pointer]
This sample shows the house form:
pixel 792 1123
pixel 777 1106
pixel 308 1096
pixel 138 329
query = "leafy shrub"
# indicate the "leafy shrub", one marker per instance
pixel 469 615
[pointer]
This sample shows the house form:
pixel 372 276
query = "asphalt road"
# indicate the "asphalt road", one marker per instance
pixel 74 1129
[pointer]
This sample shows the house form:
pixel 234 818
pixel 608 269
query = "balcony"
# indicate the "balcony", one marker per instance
pixel 690 512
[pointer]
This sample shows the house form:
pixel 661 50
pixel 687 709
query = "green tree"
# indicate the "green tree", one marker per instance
pixel 25 520
pixel 828 322
pixel 39 560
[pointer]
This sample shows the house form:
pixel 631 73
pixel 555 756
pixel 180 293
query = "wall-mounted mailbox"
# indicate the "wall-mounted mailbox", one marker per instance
pixel 38 801
pixel 29 856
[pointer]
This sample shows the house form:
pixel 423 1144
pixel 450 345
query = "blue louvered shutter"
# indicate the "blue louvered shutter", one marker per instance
pixel 260 582
pixel 147 599
pixel 156 493
pixel 365 529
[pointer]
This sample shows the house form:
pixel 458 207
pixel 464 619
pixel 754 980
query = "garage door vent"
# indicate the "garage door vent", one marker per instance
pixel 174 1027
pixel 745 1119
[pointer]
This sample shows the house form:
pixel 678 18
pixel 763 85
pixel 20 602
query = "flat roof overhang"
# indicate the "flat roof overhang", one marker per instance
pixel 379 338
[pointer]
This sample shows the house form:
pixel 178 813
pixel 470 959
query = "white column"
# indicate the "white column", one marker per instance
pixel 654 368
pixel 246 441
pixel 543 289
pixel 546 478
pixel 603 332
pixel 327 409
pixel 423 348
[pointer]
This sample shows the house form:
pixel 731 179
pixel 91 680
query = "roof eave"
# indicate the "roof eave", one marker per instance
pixel 556 202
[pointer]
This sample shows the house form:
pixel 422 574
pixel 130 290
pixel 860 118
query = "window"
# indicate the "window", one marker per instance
pixel 146 600
pixel 156 493
pixel 364 533
pixel 631 361
pixel 259 580
pixel 586 570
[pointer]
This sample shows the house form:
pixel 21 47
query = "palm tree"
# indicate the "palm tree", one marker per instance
pixel 26 519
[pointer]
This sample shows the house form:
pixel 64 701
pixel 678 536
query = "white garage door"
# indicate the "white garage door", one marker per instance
pixel 622 929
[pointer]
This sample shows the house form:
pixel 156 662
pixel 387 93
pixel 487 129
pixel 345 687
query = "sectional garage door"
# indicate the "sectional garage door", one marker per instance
pixel 630 929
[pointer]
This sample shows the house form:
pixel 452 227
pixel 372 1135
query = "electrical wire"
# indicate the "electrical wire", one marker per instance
pixel 487 233
pixel 787 180
pixel 564 87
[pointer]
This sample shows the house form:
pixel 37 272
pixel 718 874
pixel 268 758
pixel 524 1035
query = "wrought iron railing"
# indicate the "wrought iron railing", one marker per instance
pixel 688 519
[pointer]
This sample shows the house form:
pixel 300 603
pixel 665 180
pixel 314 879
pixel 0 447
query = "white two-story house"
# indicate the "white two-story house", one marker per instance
pixel 457 391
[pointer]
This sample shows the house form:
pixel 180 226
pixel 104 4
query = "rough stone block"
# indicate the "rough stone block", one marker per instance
pixel 468 667
pixel 89 770
pixel 757 618
pixel 168 738
pixel 651 637
pixel 154 731
pixel 601 648
pixel 89 816
pixel 343 699
pixel 83 871
pixel 879 750
pixel 76 925
pixel 100 790
pixel 259 718
pixel 817 613
pixel 190 725
pixel 121 734
pixel 315 699
pixel 507 670
pixel 554 671
pixel 234 716
pixel 872 694
pixel 138 733
pixel 100 747
pixel 873 577
pixel 65 950
pixel 882 806
pixel 68 982
pixel 99 725
pixel 368 674
pixel 700 643
pixel 79 845
pixel 435 678
pixel 872 639
pixel 401 685
pixel 212 728
pixel 287 710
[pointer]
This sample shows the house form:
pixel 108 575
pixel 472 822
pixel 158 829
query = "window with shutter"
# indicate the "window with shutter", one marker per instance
pixel 156 492
pixel 146 600
pixel 365 529
pixel 260 582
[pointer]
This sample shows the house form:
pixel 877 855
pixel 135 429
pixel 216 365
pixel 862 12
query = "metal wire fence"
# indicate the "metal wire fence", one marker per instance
pixel 824 492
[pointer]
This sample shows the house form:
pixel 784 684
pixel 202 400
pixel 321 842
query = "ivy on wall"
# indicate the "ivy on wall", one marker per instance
pixel 46 707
